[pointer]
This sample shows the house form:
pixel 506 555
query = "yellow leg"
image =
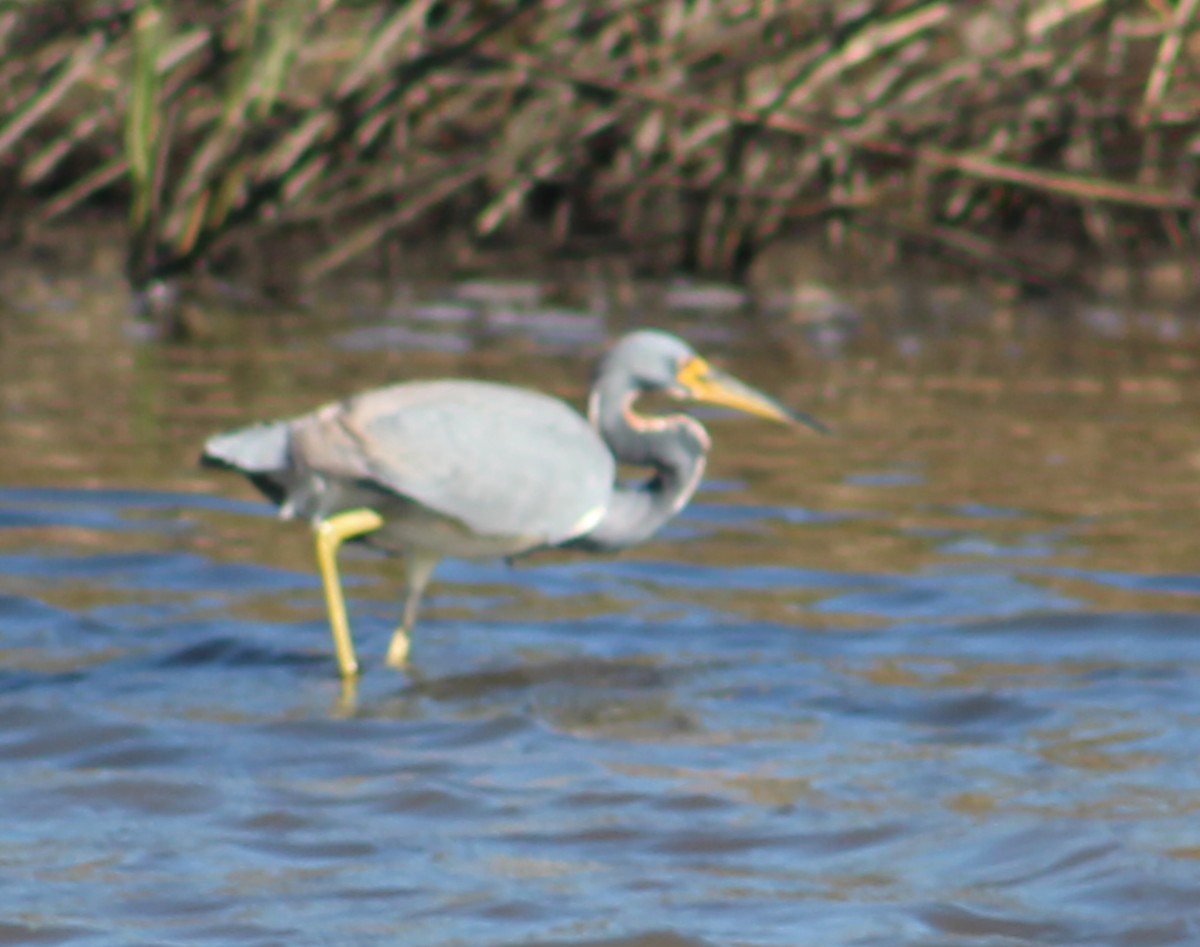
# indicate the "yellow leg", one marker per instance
pixel 331 533
pixel 398 647
pixel 419 566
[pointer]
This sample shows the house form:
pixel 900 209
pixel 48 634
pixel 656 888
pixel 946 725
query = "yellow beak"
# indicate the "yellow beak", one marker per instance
pixel 699 381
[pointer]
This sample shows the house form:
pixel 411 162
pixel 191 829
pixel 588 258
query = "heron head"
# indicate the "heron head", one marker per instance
pixel 658 361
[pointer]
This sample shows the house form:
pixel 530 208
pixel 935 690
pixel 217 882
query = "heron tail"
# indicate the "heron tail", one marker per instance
pixel 261 452
pixel 260 448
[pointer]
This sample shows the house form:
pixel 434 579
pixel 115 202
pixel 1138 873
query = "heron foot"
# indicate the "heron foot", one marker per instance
pixel 397 652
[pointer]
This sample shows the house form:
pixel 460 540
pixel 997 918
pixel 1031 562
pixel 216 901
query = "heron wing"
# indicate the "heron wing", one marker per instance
pixel 504 461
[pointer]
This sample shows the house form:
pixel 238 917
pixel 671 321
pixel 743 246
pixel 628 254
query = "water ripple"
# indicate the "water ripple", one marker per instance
pixel 909 692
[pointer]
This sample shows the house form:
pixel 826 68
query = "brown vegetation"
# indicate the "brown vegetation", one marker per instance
pixel 685 132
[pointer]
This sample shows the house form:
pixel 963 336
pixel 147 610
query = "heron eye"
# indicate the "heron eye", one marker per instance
pixel 691 369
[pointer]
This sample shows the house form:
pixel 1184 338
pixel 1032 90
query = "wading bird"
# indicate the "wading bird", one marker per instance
pixel 474 469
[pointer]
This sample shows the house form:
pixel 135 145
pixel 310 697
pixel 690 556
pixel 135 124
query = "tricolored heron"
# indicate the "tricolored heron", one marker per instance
pixel 474 469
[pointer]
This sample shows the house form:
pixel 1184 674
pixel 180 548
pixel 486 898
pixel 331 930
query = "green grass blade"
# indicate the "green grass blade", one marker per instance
pixel 142 117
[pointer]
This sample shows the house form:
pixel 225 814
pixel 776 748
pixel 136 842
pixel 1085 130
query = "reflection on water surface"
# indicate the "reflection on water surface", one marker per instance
pixel 933 680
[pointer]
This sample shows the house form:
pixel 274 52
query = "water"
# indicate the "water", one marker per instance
pixel 933 681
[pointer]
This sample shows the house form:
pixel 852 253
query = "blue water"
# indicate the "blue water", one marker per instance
pixel 969 758
pixel 933 681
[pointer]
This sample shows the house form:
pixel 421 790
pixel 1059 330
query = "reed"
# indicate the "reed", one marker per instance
pixel 688 131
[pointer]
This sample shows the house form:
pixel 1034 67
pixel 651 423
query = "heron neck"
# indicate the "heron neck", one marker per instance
pixel 675 447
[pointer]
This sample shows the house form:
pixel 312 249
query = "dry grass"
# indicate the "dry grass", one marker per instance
pixel 695 130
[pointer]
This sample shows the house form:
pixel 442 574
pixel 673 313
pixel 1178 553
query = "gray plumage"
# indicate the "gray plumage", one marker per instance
pixel 434 444
pixel 476 469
